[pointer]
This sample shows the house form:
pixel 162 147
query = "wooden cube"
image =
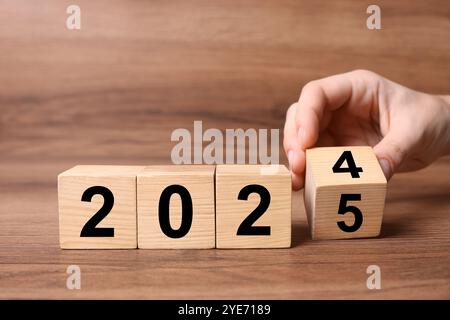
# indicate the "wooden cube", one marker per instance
pixel 345 191
pixel 97 207
pixel 253 206
pixel 176 207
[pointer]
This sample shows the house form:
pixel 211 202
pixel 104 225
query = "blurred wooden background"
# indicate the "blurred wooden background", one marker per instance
pixel 114 91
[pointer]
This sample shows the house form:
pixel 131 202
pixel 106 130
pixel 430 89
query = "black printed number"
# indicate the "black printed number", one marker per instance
pixel 247 228
pixel 186 213
pixel 352 168
pixel 344 208
pixel 89 229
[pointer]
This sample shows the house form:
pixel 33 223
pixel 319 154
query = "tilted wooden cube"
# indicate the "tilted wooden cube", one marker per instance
pixel 345 191
pixel 253 206
pixel 176 207
pixel 97 207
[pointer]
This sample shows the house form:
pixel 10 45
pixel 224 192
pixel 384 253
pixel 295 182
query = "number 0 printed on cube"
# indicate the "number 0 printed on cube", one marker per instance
pixel 176 207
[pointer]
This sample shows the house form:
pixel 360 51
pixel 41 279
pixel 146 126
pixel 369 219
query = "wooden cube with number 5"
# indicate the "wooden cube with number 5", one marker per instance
pixel 345 191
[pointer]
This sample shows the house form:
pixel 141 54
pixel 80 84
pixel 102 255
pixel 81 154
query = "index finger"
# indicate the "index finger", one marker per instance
pixel 318 97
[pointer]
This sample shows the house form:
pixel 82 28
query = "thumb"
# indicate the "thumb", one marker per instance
pixel 391 152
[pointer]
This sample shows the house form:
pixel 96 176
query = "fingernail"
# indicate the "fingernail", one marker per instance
pixel 290 159
pixel 386 167
pixel 300 136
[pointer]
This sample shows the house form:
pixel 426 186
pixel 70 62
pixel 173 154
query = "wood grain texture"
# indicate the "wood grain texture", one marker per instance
pixel 113 92
pixel 323 190
pixel 231 211
pixel 74 213
pixel 198 180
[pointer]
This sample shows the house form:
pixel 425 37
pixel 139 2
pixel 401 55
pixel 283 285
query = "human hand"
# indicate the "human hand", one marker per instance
pixel 407 129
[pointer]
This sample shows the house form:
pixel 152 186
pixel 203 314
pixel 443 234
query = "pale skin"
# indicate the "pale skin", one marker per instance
pixel 407 129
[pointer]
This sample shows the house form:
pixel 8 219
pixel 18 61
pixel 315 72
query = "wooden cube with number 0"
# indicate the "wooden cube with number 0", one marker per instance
pixel 253 206
pixel 345 191
pixel 97 207
pixel 176 207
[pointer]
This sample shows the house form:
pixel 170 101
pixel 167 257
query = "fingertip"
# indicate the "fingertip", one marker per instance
pixel 307 136
pixel 391 152
pixel 386 167
pixel 290 156
pixel 307 124
pixel 290 131
pixel 297 181
pixel 298 161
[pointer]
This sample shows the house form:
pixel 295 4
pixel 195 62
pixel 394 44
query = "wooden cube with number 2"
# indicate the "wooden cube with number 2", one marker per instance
pixel 345 191
pixel 97 207
pixel 253 206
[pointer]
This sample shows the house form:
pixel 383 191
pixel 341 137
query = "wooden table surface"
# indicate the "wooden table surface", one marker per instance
pixel 112 93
